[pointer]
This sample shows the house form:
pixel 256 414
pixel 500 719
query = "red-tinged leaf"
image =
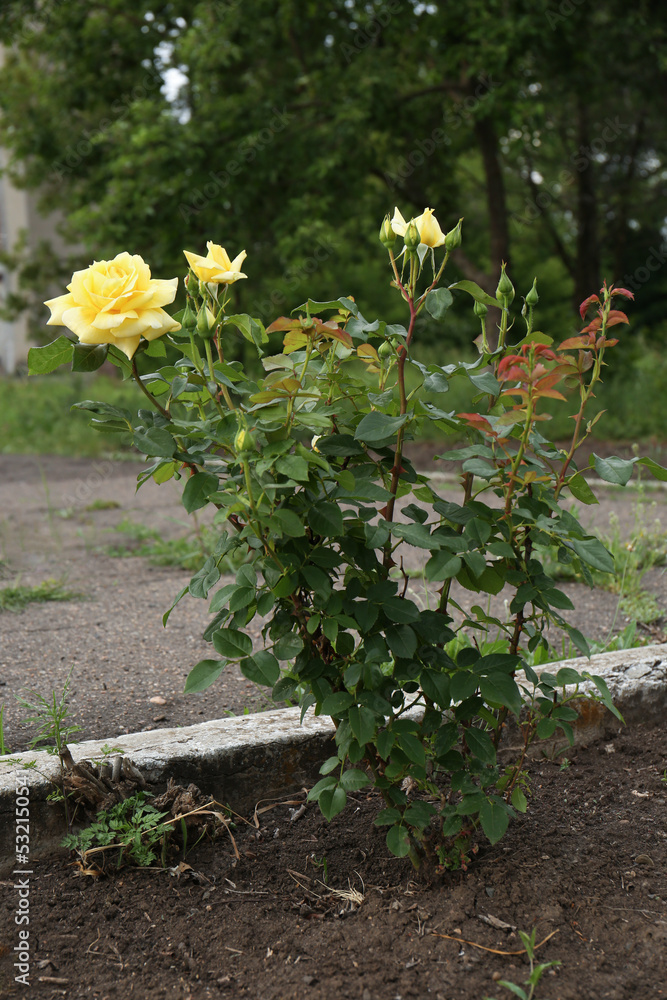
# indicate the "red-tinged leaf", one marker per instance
pixel 609 343
pixel 594 326
pixel 477 420
pixel 521 393
pixel 295 340
pixel 511 373
pixel 550 394
pixel 615 317
pixel 583 308
pixel 574 343
pixel 283 323
pixel 622 291
pixel 547 381
pixel 367 353
pixel 342 336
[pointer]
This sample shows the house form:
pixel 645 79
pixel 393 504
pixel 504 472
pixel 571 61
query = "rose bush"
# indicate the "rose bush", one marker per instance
pixel 116 302
pixel 304 468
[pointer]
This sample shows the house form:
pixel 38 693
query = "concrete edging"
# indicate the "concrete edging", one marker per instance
pixel 244 759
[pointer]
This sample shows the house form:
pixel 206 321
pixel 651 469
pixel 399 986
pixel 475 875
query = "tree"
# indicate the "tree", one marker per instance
pixel 298 125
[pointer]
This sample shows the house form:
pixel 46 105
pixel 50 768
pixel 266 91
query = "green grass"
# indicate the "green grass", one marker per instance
pixel 18 597
pixel 36 416
pixel 187 552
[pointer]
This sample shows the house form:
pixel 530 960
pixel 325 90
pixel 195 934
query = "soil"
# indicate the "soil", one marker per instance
pixel 586 867
pixel 128 672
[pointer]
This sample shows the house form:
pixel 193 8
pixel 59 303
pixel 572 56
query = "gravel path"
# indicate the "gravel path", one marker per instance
pixel 128 671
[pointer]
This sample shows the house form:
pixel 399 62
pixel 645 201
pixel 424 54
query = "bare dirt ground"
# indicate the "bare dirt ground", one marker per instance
pixel 586 867
pixel 128 672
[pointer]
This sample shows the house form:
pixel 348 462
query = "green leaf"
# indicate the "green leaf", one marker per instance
pixel 354 779
pixel 486 382
pixel 337 703
pixel 262 668
pixel 330 764
pixel 400 610
pixel 519 800
pixel 252 330
pixel 313 308
pixel 659 471
pixel 593 552
pixel 478 294
pixel 494 819
pixel 288 646
pixel 398 841
pixel 415 534
pixel 501 689
pixel 155 441
pixel 197 490
pixel 232 643
pixel 402 641
pixel 387 817
pixel 580 490
pixel 42 360
pixel 438 302
pixel 332 801
pixel 294 467
pixel 286 522
pixel 326 519
pixel 376 427
pixel 436 687
pixel 88 357
pixel 613 470
pixel 412 747
pixel 605 693
pixel 480 745
pixel 339 445
pixel 204 579
pixel 566 675
pixel 362 724
pixel 442 566
pixel 203 674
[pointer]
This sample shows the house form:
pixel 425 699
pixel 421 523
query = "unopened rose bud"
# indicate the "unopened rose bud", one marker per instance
pixel 387 234
pixel 412 238
pixel 205 322
pixel 244 441
pixel 480 310
pixel 532 298
pixel 385 350
pixel 453 238
pixel 505 289
pixel 189 316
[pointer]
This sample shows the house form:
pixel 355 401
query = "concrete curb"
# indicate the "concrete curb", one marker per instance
pixel 244 759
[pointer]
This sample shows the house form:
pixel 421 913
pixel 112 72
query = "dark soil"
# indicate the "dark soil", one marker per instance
pixel 586 867
pixel 128 671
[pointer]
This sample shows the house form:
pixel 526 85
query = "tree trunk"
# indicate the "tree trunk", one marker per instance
pixel 495 194
pixel 587 276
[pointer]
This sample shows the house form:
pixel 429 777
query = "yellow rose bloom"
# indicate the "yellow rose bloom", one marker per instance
pixel 216 268
pixel 430 232
pixel 115 302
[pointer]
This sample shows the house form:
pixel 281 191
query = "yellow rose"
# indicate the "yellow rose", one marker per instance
pixel 216 268
pixel 430 232
pixel 116 302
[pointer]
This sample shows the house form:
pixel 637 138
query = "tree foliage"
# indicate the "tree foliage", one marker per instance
pixel 298 124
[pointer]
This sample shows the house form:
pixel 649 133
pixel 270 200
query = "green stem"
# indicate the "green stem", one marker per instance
pixel 137 379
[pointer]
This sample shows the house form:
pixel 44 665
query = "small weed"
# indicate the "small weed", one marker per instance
pixel 565 763
pixel 536 971
pixel 102 505
pixel 131 829
pixel 50 715
pixel 323 864
pixel 4 749
pixel 18 597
